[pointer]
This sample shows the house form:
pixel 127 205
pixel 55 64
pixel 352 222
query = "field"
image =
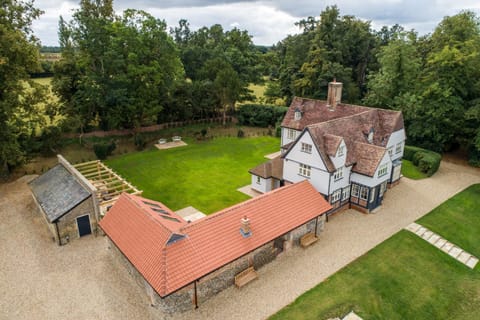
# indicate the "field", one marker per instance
pixel 405 277
pixel 205 175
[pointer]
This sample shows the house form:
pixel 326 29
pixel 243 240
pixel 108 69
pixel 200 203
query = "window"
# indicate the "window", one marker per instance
pixel 346 193
pixel 364 193
pixel 341 151
pixel 382 170
pixel 304 170
pixel 291 134
pixel 336 196
pixel 338 174
pixel 398 148
pixel 306 147
pixel 258 180
pixel 355 190
pixel 390 151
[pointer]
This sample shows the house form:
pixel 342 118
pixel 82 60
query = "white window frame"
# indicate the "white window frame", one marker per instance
pixel 383 170
pixel 306 147
pixel 398 147
pixel 372 195
pixel 346 193
pixel 341 151
pixel 336 196
pixel 355 190
pixel 304 170
pixel 258 180
pixel 338 174
pixel 291 134
pixel 364 193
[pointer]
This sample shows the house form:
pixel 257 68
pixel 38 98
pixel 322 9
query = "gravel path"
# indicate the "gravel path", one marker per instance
pixel 39 280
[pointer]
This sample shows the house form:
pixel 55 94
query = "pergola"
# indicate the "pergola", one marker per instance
pixel 109 185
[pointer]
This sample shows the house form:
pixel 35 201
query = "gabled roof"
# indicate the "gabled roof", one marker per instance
pixel 315 111
pixel 57 192
pixel 367 158
pixel 272 168
pixel 208 243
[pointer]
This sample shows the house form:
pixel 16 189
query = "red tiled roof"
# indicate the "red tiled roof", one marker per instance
pixel 210 242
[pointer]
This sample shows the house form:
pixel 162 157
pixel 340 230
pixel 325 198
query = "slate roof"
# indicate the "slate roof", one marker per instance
pixel 272 168
pixel 58 192
pixel 208 243
pixel 348 122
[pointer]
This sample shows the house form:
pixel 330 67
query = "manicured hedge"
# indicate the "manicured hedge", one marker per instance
pixel 427 161
pixel 104 149
pixel 260 115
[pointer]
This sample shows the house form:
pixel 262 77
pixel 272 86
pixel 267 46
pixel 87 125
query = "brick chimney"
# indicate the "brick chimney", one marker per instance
pixel 245 227
pixel 334 94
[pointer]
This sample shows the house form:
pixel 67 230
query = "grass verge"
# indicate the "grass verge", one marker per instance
pixel 410 171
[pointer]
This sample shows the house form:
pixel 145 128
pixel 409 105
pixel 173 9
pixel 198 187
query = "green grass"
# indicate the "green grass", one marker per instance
pixel 410 171
pixel 405 277
pixel 458 220
pixel 203 175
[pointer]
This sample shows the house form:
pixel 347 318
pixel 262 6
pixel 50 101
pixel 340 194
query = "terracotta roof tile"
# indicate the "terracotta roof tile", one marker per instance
pixel 272 168
pixel 210 242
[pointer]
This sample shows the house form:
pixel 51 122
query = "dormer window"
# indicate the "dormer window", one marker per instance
pixel 298 114
pixel 370 135
pixel 341 151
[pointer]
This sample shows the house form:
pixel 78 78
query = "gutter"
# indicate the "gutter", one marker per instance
pixel 58 234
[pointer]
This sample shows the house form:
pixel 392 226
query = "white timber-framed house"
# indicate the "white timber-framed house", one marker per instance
pixel 351 154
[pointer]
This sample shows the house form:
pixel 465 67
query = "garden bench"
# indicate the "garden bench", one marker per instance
pixel 176 138
pixel 308 239
pixel 162 141
pixel 245 277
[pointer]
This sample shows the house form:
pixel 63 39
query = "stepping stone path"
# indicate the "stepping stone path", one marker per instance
pixel 449 248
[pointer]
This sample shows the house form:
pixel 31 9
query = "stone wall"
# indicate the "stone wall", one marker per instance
pixel 67 225
pixel 213 283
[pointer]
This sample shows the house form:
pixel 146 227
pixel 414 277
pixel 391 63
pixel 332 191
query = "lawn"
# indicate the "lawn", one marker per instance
pixel 458 220
pixel 404 277
pixel 411 171
pixel 204 175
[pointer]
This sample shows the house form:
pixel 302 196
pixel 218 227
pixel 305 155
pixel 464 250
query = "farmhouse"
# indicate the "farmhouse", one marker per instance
pixel 73 198
pixel 349 153
pixel 181 264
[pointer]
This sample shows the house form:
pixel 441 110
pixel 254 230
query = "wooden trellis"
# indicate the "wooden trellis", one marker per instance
pixel 108 183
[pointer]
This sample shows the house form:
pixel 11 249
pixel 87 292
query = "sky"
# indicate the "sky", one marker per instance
pixel 267 21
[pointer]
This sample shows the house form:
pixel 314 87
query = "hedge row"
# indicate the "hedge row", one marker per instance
pixel 260 115
pixel 427 161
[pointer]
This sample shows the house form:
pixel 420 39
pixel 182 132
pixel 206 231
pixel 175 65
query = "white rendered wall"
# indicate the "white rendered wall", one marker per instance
pixel 395 138
pixel 340 183
pixel 265 185
pixel 318 178
pixel 284 138
pixel 339 161
pixel 312 159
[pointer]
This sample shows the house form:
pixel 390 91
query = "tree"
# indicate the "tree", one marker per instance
pixel 117 71
pixel 19 96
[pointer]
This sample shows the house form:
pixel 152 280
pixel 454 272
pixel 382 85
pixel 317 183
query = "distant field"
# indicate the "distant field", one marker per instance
pixel 259 93
pixel 205 175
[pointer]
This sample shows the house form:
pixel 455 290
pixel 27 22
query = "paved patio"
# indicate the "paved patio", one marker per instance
pixel 169 145
pixel 249 191
pixel 190 214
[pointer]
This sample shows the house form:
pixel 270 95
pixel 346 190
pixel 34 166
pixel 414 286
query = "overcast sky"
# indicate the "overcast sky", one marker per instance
pixel 268 21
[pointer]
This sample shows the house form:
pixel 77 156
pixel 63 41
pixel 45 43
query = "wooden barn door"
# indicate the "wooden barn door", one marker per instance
pixel 83 224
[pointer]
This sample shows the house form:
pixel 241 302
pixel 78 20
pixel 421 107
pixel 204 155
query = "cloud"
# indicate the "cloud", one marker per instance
pixel 268 21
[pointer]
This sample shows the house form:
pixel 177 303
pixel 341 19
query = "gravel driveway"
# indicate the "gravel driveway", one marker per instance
pixel 39 280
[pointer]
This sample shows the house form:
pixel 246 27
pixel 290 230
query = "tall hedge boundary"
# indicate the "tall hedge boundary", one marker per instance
pixel 260 115
pixel 427 161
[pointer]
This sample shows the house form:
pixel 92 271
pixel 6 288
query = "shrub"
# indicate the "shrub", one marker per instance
pixel 427 161
pixel 258 115
pixel 203 132
pixel 103 150
pixel 240 133
pixel 139 141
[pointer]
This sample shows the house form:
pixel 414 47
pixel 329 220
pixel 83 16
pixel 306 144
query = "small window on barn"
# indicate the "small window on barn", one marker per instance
pixel 258 180
pixel 160 211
